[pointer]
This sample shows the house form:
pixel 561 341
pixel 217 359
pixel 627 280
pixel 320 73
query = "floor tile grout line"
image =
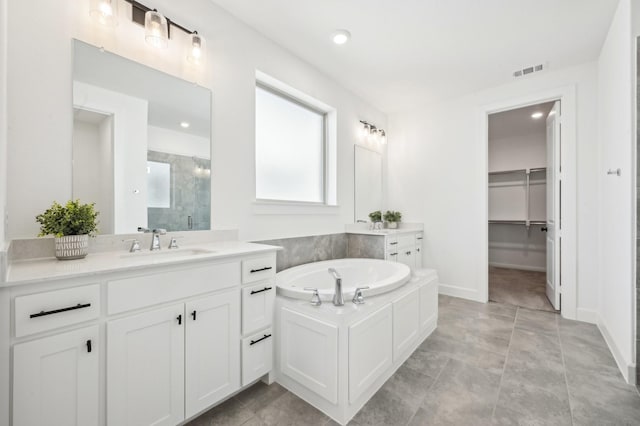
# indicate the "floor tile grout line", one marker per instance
pixel 504 367
pixel 564 370
pixel 428 389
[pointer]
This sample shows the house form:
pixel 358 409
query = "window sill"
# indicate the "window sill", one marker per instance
pixel 292 208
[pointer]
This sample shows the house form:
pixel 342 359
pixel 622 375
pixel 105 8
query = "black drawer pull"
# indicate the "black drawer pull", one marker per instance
pixel 393 254
pixel 253 342
pixel 193 314
pixel 418 238
pixel 57 311
pixel 408 253
pixel 393 243
pixel 179 318
pixel 266 268
pixel 89 346
pixel 260 291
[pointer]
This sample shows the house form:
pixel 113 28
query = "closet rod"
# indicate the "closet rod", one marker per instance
pixel 517 222
pixel 506 172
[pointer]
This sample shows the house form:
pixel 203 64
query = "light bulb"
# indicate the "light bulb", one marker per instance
pixel 156 31
pixel 196 51
pixel 536 115
pixel 364 132
pixel 383 137
pixel 341 36
pixel 104 11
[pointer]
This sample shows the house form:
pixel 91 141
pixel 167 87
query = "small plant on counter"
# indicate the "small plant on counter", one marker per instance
pixel 392 218
pixel 375 216
pixel 71 225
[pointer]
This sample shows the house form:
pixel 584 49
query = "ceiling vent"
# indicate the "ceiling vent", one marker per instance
pixel 528 70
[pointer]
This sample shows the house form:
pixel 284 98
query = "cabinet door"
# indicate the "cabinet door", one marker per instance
pixel 257 356
pixel 428 305
pixel 369 351
pixel 55 380
pixel 145 368
pixel 212 365
pixel 257 306
pixel 406 322
pixel 407 255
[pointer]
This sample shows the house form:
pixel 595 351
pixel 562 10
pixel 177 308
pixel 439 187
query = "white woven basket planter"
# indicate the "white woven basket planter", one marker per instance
pixel 72 247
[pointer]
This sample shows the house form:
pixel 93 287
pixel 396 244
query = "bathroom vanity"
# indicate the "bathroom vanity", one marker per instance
pixel 397 245
pixel 135 338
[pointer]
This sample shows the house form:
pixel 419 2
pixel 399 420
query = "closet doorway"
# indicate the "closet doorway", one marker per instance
pixel 524 188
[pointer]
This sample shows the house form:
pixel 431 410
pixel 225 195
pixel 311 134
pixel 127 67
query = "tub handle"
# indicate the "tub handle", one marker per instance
pixel 358 297
pixel 315 298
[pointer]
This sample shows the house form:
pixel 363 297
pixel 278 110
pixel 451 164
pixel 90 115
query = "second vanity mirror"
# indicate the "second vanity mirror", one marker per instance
pixel 141 144
pixel 367 182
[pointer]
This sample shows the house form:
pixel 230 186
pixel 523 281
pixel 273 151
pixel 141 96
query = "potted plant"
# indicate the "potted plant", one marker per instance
pixel 375 216
pixel 392 218
pixel 71 225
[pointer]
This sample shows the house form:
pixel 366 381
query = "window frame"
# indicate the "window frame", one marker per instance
pixel 324 113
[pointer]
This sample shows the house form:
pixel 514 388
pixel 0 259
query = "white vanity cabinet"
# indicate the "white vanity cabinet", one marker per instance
pixel 56 379
pixel 404 246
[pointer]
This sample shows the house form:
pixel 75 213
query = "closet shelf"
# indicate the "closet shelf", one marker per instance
pixel 505 172
pixel 517 222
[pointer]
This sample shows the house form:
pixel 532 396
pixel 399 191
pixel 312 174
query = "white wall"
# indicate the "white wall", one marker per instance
pixel 3 123
pixel 525 151
pixel 437 176
pixel 180 143
pixel 616 105
pixel 234 53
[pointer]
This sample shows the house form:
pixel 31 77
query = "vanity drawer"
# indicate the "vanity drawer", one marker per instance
pixel 257 306
pixel 258 268
pixel 419 238
pixel 257 356
pixel 406 240
pixel 151 289
pixel 40 312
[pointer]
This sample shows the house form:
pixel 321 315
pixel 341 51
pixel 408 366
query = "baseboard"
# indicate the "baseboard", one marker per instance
pixel 455 291
pixel 628 370
pixel 520 267
pixel 587 315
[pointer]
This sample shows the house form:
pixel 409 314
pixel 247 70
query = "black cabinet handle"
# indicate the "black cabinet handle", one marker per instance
pixel 179 318
pixel 260 291
pixel 393 243
pixel 418 238
pixel 253 342
pixel 393 254
pixel 89 345
pixel 57 311
pixel 408 253
pixel 266 268
pixel 544 229
pixel 193 314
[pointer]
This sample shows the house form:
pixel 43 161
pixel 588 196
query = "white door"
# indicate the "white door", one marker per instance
pixel 212 368
pixel 554 183
pixel 55 380
pixel 145 368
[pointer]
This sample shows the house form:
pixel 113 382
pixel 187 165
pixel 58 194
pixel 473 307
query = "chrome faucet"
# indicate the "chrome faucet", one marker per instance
pixel 155 238
pixel 338 299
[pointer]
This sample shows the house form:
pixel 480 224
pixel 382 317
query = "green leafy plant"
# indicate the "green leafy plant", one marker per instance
pixel 71 219
pixel 391 216
pixel 376 216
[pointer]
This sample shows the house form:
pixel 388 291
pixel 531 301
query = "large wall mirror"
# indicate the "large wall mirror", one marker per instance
pixel 141 144
pixel 368 182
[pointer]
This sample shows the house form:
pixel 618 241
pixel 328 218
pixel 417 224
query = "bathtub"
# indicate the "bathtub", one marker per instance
pixel 381 276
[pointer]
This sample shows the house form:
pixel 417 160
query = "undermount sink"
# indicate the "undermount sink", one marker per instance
pixel 168 253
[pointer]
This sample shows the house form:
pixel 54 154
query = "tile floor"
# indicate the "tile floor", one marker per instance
pixel 486 364
pixel 519 288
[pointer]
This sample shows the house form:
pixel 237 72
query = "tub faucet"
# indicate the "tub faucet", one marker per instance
pixel 338 299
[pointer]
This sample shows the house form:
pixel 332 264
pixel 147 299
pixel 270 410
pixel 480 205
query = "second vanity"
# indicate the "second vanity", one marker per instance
pixel 135 338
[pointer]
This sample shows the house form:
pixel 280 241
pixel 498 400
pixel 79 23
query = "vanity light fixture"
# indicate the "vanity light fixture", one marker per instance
pixel 157 29
pixel 341 36
pixel 371 133
pixel 537 115
pixel 104 11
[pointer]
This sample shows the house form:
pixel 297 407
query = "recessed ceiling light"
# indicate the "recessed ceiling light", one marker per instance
pixel 184 124
pixel 341 36
pixel 536 115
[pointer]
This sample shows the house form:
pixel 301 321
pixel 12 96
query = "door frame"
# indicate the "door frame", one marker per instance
pixel 568 199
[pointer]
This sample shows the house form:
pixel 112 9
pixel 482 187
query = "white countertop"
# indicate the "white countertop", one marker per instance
pixel 363 228
pixel 45 269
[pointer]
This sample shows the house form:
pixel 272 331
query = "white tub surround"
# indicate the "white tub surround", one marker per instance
pixel 336 358
pixel 379 275
pixel 150 337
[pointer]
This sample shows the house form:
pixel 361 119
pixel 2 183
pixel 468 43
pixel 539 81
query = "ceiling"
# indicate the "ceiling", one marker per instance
pixel 406 53
pixel 518 122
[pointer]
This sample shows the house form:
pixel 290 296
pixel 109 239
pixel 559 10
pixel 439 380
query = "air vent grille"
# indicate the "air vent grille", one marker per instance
pixel 528 70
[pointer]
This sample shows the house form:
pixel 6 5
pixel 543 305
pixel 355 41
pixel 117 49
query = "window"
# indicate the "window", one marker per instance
pixel 159 184
pixel 291 148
